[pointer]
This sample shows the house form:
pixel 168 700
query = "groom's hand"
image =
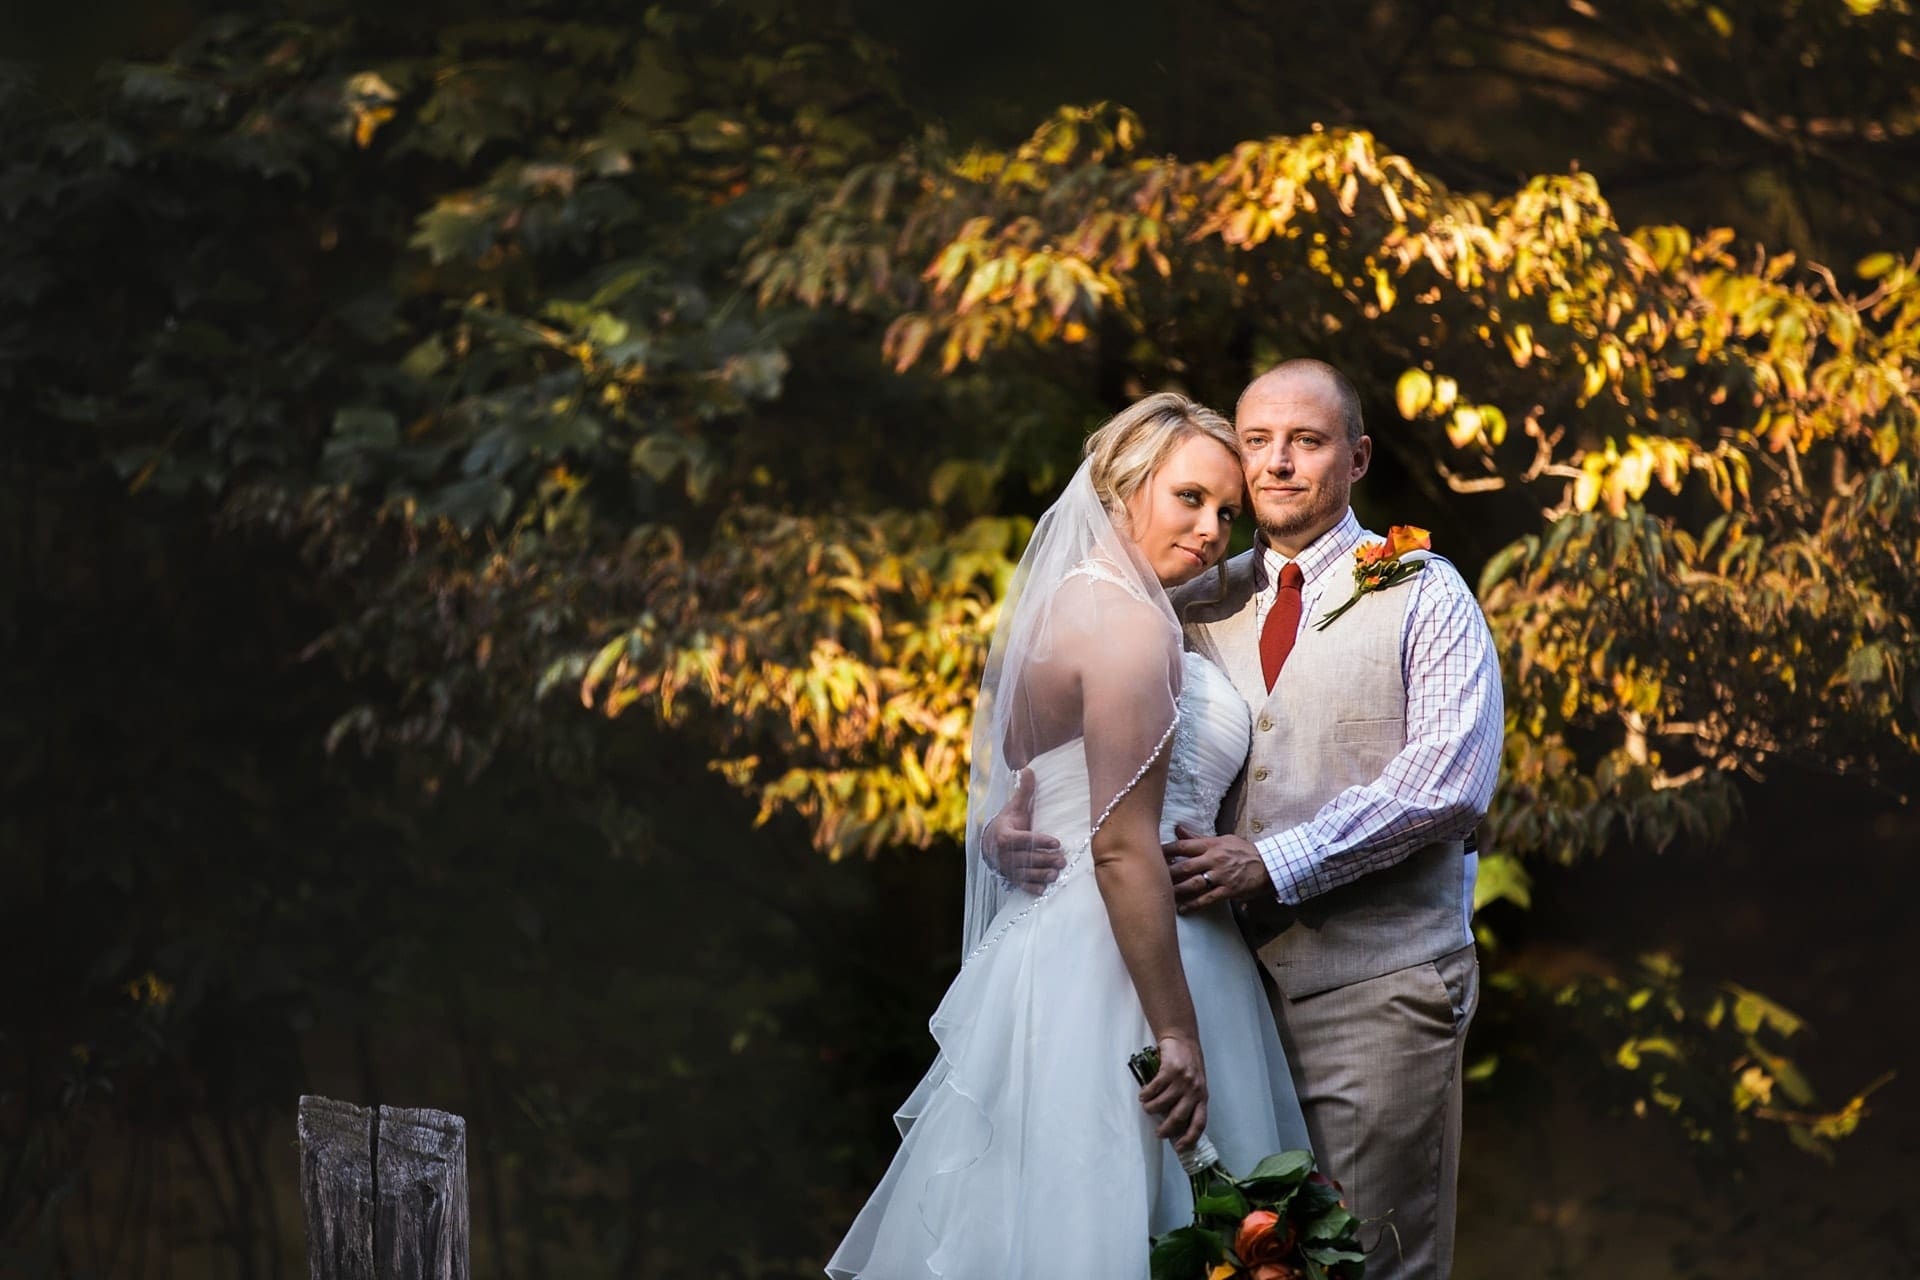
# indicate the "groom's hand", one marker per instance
pixel 1031 860
pixel 1210 869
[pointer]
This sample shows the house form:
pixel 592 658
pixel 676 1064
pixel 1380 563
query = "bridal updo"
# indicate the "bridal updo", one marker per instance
pixel 1129 448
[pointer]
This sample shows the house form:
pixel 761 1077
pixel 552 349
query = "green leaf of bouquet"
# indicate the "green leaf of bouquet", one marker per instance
pixel 1186 1252
pixel 1222 1199
pixel 1330 1226
pixel 1328 1254
pixel 1288 1168
pixel 1316 1199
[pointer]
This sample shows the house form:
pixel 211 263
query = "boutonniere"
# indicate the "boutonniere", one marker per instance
pixel 1379 565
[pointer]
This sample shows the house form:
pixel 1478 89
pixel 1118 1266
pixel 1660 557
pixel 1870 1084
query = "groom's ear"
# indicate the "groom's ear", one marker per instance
pixel 1362 455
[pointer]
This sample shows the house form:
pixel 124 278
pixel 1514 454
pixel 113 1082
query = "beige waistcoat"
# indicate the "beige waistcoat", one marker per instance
pixel 1334 719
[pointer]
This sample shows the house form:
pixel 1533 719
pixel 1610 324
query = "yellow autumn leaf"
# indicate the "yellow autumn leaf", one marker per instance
pixel 367 122
pixel 1464 427
pixel 1413 393
pixel 1586 491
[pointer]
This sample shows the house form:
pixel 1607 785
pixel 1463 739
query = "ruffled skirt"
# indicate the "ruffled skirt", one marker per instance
pixel 1024 1150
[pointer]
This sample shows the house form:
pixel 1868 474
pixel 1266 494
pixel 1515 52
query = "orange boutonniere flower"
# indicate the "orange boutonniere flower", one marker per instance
pixel 1379 565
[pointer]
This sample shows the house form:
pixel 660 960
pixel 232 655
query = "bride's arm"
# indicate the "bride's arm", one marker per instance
pixel 1127 707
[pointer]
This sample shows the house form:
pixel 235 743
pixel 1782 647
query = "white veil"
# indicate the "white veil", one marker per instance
pixel 1087 646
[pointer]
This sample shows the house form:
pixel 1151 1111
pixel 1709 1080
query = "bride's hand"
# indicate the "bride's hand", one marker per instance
pixel 1177 1094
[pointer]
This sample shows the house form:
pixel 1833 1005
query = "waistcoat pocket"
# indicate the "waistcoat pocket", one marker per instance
pixel 1381 730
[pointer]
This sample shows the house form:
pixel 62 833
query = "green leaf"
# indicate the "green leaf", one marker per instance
pixel 1504 561
pixel 1329 1254
pixel 1331 1225
pixel 1867 665
pixel 453 229
pixel 1751 1010
pixel 1185 1252
pixel 426 359
pixel 1502 878
pixel 610 653
pixel 1222 1200
pixel 1286 1168
pixel 658 454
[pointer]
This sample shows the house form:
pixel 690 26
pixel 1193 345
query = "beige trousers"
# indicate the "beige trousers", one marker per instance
pixel 1377 1066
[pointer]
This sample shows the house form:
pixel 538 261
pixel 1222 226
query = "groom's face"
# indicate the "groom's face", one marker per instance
pixel 1301 465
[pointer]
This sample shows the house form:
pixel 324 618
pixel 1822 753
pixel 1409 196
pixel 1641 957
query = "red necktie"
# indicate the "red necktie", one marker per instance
pixel 1283 623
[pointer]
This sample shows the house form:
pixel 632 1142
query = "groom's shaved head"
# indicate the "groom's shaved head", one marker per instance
pixel 1305 368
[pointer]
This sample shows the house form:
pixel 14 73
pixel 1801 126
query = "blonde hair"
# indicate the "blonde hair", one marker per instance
pixel 1131 445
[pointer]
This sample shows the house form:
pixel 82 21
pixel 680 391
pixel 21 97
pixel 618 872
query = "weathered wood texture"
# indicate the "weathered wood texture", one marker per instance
pixel 420 1232
pixel 385 1192
pixel 336 1188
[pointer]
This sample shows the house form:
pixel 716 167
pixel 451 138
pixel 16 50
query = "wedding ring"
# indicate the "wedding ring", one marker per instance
pixel 1206 879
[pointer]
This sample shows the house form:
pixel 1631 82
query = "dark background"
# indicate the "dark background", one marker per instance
pixel 679 1058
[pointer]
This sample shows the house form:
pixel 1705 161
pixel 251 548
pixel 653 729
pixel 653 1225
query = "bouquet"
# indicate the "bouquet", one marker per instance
pixel 1283 1221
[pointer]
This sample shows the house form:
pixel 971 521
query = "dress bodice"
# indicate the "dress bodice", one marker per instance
pixel 1209 746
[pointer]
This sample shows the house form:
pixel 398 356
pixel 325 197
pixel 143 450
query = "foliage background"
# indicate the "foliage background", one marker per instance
pixel 380 388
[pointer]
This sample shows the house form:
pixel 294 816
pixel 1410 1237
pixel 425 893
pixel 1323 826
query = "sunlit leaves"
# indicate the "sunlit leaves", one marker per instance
pixel 1609 376
pixel 1711 1060
pixel 615 293
pixel 1702 657
pixel 839 656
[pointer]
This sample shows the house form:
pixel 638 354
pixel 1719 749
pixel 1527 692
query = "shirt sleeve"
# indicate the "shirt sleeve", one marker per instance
pixel 1439 785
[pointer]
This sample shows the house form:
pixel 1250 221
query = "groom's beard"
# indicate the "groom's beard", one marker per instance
pixel 1293 523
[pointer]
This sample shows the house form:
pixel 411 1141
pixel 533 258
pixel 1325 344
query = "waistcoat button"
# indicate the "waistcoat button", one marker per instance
pixel 1260 774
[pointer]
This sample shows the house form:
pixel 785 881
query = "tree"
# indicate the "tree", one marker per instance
pixel 486 369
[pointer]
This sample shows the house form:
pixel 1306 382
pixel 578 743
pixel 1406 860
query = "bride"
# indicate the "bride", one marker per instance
pixel 1028 1150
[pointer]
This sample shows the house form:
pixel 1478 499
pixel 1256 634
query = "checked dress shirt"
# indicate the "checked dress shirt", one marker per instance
pixel 1439 784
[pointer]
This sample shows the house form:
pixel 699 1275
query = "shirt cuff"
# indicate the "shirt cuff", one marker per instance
pixel 1290 865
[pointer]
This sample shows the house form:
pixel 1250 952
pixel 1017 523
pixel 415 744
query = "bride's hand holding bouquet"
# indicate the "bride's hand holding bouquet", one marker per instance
pixel 1282 1221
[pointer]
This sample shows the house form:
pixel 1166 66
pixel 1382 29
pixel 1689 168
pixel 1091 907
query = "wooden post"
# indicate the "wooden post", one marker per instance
pixel 421 1230
pixel 385 1192
pixel 336 1188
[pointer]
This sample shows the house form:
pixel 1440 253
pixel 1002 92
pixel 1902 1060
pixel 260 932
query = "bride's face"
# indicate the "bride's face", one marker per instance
pixel 1182 516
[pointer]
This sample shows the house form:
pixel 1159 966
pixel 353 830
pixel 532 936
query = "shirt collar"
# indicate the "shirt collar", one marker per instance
pixel 1324 553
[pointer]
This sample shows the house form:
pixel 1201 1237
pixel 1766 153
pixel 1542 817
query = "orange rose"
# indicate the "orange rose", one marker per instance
pixel 1276 1271
pixel 1255 1229
pixel 1403 538
pixel 1263 1238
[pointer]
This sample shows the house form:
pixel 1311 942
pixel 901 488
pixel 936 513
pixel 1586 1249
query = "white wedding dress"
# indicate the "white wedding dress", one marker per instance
pixel 1025 1151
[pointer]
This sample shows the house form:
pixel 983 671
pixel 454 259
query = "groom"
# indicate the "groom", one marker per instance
pixel 1376 741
